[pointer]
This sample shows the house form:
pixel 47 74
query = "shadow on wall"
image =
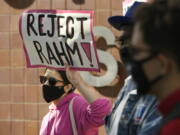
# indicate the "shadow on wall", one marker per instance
pixel 19 4
pixel 79 1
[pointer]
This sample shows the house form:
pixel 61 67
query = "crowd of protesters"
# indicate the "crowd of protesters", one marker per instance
pixel 149 101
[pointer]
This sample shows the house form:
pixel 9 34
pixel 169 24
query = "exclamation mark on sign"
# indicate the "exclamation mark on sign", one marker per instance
pixel 87 49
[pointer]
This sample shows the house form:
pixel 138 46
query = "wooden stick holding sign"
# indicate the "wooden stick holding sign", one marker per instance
pixel 54 38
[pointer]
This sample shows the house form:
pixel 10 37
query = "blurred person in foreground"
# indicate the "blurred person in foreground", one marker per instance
pixel 155 53
pixel 69 113
pixel 133 113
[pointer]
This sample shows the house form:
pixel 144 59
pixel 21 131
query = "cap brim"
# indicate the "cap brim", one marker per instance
pixel 119 22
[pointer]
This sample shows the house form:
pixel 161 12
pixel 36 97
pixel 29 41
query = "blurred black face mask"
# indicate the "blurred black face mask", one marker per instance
pixel 125 57
pixel 136 69
pixel 51 92
pixel 124 52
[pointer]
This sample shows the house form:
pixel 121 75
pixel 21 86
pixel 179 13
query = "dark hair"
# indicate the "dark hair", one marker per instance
pixel 125 38
pixel 160 26
pixel 63 75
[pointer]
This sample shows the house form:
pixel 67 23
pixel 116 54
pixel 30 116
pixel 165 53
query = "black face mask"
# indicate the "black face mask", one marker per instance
pixel 124 52
pixel 125 57
pixel 143 84
pixel 51 92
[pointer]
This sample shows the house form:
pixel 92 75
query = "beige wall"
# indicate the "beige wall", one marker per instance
pixel 21 104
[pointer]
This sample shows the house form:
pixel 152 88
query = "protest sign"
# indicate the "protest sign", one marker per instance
pixel 54 38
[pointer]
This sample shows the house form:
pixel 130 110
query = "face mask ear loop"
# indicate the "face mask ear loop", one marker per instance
pixel 72 89
pixel 156 79
pixel 154 54
pixel 62 87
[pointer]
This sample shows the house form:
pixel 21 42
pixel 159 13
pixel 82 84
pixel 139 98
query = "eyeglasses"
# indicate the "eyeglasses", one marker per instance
pixel 128 52
pixel 133 51
pixel 51 80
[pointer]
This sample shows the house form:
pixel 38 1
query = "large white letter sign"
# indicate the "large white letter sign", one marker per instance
pixel 54 38
pixel 105 58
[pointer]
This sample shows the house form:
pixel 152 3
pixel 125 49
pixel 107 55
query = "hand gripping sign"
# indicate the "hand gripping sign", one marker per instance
pixel 54 38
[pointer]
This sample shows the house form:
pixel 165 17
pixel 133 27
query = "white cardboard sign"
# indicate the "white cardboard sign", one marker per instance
pixel 54 38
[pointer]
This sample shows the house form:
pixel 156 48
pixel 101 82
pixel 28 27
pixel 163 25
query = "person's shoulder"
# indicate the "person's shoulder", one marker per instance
pixel 46 117
pixel 171 128
pixel 78 99
pixel 173 124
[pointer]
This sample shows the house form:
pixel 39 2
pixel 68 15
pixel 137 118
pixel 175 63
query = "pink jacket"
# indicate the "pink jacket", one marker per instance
pixel 88 117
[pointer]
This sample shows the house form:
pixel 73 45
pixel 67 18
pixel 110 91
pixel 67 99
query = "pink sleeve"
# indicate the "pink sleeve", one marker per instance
pixel 44 124
pixel 90 115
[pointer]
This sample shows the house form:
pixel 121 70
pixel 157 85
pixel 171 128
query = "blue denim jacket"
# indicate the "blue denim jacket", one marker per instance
pixel 133 114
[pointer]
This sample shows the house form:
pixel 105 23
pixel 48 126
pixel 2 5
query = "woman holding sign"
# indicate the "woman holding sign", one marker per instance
pixel 70 113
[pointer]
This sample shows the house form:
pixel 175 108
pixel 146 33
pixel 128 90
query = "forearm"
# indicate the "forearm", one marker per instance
pixel 89 92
